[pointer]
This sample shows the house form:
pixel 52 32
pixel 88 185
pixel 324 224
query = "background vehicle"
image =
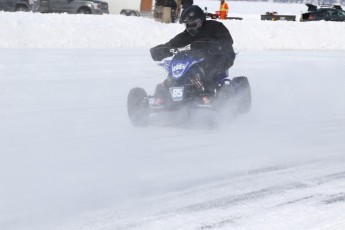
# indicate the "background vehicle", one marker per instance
pixel 16 5
pixel 185 93
pixel 130 7
pixel 274 16
pixel 137 7
pixel 72 6
pixel 162 10
pixel 325 12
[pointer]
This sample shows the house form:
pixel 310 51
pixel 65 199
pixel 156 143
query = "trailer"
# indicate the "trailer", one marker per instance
pixel 130 7
pixel 274 16
pixel 140 7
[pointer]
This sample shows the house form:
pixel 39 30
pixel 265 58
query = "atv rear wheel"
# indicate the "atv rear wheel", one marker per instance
pixel 243 93
pixel 225 93
pixel 138 107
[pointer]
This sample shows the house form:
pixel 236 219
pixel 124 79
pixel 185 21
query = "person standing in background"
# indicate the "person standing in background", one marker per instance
pixel 223 9
pixel 173 5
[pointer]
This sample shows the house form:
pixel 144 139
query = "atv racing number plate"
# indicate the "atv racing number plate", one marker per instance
pixel 176 93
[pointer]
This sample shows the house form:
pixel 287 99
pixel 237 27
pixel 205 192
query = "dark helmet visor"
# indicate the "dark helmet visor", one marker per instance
pixel 194 24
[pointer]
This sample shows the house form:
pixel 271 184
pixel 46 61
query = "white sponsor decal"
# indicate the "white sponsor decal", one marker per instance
pixel 177 70
pixel 179 67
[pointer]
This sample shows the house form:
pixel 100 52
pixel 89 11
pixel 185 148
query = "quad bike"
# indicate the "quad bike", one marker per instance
pixel 183 90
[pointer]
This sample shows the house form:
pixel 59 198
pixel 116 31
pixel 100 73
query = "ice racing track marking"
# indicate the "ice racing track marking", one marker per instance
pixel 309 186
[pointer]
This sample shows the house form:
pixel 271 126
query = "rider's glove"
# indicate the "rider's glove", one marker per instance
pixel 158 53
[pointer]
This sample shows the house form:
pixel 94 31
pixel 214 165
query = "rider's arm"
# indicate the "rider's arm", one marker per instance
pixel 181 40
pixel 162 51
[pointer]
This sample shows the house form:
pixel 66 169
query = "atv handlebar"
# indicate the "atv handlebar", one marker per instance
pixel 158 53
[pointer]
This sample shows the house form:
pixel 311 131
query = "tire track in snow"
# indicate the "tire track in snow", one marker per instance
pixel 232 200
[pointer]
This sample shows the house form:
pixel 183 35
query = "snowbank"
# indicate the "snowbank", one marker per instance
pixel 30 30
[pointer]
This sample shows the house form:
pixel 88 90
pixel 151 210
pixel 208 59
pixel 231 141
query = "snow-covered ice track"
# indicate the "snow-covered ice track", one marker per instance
pixel 237 202
pixel 70 158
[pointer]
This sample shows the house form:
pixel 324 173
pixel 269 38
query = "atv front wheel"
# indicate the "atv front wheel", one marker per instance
pixel 138 107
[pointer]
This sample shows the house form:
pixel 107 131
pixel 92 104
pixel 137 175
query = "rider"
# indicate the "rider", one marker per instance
pixel 210 35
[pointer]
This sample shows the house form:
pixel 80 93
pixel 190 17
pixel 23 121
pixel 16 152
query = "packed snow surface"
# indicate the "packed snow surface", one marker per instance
pixel 70 159
pixel 29 30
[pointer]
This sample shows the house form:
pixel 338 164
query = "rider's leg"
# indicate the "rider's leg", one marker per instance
pixel 215 65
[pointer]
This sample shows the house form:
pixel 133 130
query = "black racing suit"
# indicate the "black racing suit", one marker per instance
pixel 220 56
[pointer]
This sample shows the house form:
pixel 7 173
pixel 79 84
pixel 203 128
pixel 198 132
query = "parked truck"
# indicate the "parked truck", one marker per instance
pixel 71 6
pixel 16 5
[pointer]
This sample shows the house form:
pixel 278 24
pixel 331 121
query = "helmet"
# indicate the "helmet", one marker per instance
pixel 193 17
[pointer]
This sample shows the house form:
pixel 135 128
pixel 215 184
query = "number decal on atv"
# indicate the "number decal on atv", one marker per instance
pixel 177 93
